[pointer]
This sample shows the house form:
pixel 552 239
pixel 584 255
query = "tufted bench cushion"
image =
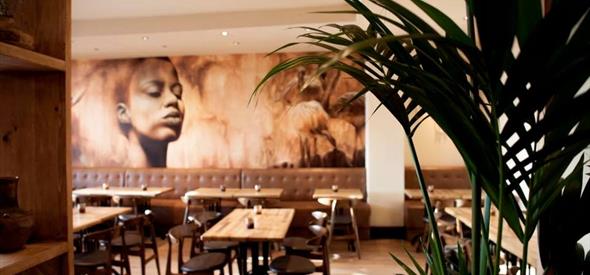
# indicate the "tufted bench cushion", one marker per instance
pixel 182 180
pixel 92 177
pixel 299 184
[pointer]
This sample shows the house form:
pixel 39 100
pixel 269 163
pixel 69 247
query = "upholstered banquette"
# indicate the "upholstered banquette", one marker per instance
pixel 298 186
pixel 440 178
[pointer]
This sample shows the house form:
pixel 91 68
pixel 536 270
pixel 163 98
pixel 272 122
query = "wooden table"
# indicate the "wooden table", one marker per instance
pixel 440 194
pixel 271 225
pixel 350 195
pixel 264 193
pixel 510 241
pixel 131 192
pixel 96 215
pixel 123 192
pixel 211 193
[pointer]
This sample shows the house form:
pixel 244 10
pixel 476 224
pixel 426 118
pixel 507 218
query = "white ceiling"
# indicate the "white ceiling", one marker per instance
pixel 116 29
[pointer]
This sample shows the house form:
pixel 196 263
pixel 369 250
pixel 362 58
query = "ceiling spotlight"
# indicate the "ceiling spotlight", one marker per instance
pixel 145 38
pixel 465 18
pixel 164 46
pixel 96 49
pixel 236 43
pixel 224 33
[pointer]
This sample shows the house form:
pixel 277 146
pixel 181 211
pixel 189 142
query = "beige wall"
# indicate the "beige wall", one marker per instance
pixel 434 147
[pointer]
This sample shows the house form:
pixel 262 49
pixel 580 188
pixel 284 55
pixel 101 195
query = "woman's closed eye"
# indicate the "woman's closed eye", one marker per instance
pixel 153 88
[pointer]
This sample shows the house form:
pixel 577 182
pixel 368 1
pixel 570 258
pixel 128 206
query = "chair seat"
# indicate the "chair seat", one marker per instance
pixel 204 262
pixel 292 265
pixel 92 259
pixel 216 246
pixel 206 216
pixel 131 239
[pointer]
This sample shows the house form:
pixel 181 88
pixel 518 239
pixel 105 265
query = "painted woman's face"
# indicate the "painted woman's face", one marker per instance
pixel 155 106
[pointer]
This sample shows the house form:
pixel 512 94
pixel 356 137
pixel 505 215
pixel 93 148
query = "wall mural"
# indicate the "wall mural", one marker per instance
pixel 193 111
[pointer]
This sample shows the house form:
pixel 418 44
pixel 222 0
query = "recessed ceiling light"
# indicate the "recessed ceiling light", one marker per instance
pixel 164 46
pixel 145 38
pixel 236 43
pixel 96 49
pixel 224 33
pixel 465 18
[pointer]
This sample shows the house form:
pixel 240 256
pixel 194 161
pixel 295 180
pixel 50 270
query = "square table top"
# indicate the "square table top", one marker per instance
pixel 122 191
pixel 440 194
pixel 264 193
pixel 211 193
pixel 510 241
pixel 95 215
pixel 271 225
pixel 341 194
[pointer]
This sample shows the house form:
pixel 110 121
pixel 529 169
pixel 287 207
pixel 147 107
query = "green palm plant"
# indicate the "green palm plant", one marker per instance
pixel 517 119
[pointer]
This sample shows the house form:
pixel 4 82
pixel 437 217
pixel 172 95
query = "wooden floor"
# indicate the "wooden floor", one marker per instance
pixel 375 258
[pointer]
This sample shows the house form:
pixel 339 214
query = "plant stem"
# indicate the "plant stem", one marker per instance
pixel 437 246
pixel 476 223
pixel 485 256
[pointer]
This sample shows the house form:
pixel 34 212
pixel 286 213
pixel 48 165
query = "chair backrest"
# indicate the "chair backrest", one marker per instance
pixel 321 239
pixel 176 236
pixel 98 239
pixel 132 224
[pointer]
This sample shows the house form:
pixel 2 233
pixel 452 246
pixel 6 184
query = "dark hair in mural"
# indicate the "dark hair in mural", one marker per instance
pixel 131 113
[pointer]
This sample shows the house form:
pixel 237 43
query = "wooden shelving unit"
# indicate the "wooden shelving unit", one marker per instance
pixel 35 135
pixel 13 58
pixel 31 256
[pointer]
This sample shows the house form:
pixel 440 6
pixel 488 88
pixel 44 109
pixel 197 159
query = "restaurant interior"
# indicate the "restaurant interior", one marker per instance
pixel 302 177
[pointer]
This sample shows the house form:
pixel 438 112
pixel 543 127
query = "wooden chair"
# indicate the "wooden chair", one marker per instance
pixel 292 264
pixel 132 241
pixel 208 214
pixel 293 245
pixel 202 263
pixel 315 248
pixel 97 258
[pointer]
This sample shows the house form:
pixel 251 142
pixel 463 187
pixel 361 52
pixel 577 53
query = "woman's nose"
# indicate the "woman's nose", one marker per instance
pixel 170 99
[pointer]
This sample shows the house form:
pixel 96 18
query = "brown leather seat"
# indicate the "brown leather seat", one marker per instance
pixel 298 185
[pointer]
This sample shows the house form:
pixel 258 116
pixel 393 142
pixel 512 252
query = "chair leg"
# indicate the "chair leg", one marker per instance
pixel 142 259
pixel 155 249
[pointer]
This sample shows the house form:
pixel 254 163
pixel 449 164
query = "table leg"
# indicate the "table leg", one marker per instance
pixel 242 258
pixel 356 231
pixel 255 264
pixel 265 254
pixel 134 200
pixel 332 221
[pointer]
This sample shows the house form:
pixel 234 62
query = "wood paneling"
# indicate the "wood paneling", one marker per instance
pixel 34 133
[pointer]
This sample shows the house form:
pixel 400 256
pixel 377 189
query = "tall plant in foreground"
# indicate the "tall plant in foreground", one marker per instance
pixel 517 119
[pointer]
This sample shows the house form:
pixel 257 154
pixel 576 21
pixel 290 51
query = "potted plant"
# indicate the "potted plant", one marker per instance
pixel 518 118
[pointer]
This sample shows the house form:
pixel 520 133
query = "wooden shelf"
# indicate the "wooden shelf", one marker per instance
pixel 13 58
pixel 32 255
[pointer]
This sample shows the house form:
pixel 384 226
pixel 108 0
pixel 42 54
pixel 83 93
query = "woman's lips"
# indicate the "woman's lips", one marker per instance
pixel 173 118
